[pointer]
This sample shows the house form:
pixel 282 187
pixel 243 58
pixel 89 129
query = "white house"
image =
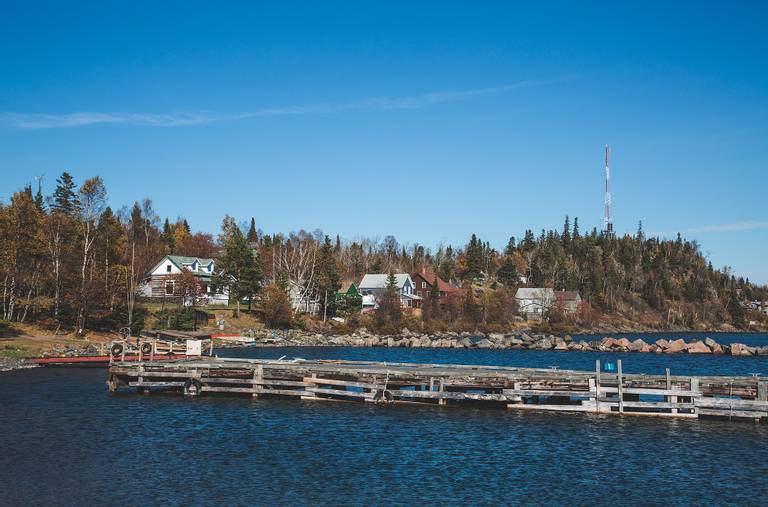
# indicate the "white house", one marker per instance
pixel 375 285
pixel 159 281
pixel 534 301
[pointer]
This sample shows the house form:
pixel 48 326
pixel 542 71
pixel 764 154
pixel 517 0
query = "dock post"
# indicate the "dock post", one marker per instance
pixel 620 380
pixel 597 386
pixel 695 392
pixel 762 390
pixel 441 401
pixel 670 399
pixel 312 383
pixel 258 375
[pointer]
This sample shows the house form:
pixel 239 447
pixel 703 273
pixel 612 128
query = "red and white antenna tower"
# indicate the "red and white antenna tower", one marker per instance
pixel 608 229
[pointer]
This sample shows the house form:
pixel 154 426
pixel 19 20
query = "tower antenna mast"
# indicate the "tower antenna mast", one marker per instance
pixel 608 229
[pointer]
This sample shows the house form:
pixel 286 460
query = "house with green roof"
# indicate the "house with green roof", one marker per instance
pixel 159 282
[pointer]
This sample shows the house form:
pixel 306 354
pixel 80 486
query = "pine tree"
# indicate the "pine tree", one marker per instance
pixel 510 248
pixel 65 197
pixel 39 200
pixel 576 235
pixel 328 279
pixel 640 236
pixel 253 235
pixel 474 259
pixel 565 237
pixel 236 265
pixel 166 238
pixel 507 273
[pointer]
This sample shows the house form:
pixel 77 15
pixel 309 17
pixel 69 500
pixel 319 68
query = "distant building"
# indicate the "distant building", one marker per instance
pixel 159 283
pixel 348 298
pixel 568 301
pixel 301 301
pixel 348 289
pixel 534 301
pixel 537 301
pixel 375 285
pixel 424 280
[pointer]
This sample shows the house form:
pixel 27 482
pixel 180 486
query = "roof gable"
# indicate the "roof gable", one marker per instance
pixel 379 280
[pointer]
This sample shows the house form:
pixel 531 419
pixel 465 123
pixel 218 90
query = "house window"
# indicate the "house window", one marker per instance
pixel 168 268
pixel 419 293
pixel 423 285
pixel 169 288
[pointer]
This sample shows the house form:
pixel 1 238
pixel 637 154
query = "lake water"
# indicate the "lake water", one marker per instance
pixel 67 441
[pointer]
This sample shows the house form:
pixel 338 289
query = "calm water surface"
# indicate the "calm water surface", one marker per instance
pixel 66 441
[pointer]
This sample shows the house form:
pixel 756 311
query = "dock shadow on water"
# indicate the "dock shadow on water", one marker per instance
pixel 67 441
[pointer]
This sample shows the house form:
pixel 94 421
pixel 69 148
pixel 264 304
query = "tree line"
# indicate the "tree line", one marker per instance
pixel 70 261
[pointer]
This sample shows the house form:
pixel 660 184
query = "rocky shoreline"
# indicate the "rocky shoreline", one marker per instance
pixel 523 341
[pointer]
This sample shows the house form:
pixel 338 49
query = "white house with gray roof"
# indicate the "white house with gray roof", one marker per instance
pixel 159 282
pixel 534 301
pixel 374 284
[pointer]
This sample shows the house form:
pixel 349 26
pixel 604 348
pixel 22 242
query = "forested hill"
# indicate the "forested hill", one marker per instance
pixel 70 260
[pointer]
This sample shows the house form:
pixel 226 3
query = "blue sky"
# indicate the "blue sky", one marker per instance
pixel 428 122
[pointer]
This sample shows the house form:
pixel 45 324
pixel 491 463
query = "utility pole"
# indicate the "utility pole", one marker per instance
pixel 608 220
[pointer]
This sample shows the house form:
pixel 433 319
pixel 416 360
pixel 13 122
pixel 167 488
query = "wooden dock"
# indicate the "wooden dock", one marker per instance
pixel 597 391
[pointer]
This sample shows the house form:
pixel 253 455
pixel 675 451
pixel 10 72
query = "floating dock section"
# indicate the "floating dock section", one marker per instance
pixel 597 391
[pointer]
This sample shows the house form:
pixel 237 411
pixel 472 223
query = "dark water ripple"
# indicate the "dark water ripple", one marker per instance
pixel 66 441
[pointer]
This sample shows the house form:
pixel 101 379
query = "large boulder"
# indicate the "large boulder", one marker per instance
pixel 542 344
pixel 485 343
pixel 465 342
pixel 560 344
pixel 621 345
pixel 739 349
pixel 675 346
pixel 697 348
pixel 638 346
pixel 623 342
pixel 662 343
pixel 762 351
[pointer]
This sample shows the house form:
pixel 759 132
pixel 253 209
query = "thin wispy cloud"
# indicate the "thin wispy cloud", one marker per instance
pixel 33 121
pixel 748 225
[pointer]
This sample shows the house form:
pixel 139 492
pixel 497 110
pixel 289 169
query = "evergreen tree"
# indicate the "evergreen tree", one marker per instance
pixel 474 259
pixel 39 200
pixel 235 267
pixel 576 234
pixel 253 235
pixel 507 273
pixel 65 196
pixel 166 238
pixel 510 248
pixel 565 237
pixel 389 313
pixel 328 279
pixel 640 236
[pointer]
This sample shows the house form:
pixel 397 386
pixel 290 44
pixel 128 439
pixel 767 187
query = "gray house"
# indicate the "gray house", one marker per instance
pixel 375 285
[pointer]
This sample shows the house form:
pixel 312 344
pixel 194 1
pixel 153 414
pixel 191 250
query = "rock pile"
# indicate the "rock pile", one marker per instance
pixel 363 338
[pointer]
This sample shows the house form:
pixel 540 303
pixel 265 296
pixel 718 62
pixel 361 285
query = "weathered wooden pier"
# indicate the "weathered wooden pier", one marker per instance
pixel 597 391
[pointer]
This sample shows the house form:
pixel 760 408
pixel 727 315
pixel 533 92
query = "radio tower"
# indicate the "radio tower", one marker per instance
pixel 608 229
